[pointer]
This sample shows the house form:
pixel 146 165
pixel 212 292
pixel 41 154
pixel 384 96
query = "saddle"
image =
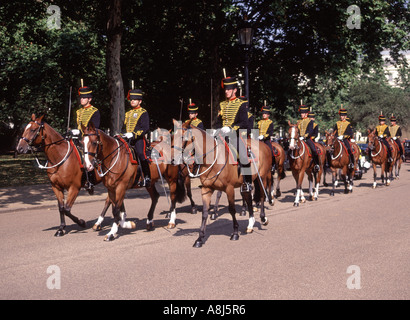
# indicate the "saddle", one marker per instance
pixel 148 150
pixel 234 154
pixel 353 150
pixel 318 149
pixel 77 153
pixel 276 151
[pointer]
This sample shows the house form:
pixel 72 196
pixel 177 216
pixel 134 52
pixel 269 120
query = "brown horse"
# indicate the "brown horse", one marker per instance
pixel 118 174
pixel 301 161
pixel 339 159
pixel 279 160
pixel 217 172
pixel 398 160
pixel 379 156
pixel 64 168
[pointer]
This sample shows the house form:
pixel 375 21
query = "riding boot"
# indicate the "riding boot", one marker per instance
pixel 351 164
pixel 247 180
pixel 89 184
pixel 316 168
pixel 146 182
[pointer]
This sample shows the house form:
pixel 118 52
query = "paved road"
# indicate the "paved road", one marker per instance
pixel 352 246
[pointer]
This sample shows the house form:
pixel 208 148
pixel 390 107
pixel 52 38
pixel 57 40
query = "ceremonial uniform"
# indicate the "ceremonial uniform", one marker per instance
pixel 343 130
pixel 233 116
pixel 315 126
pixel 306 132
pixel 193 109
pixel 86 114
pixel 137 126
pixel 383 132
pixel 395 133
pixel 265 127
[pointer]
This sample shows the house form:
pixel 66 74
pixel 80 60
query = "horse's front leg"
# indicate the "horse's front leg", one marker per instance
pixel 154 200
pixel 206 200
pixel 247 198
pixel 344 178
pixel 374 175
pixel 97 224
pixel 214 212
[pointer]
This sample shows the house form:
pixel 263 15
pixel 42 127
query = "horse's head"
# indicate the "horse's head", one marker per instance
pixel 33 135
pixel 91 142
pixel 181 141
pixel 372 137
pixel 330 140
pixel 293 133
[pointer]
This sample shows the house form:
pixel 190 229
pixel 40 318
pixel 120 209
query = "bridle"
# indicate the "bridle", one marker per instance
pixel 296 147
pixel 33 147
pixel 332 147
pixel 96 162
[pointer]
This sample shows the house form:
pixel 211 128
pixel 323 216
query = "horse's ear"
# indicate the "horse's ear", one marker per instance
pixel 289 123
pixel 33 117
pixel 326 132
pixel 41 117
pixel 374 130
pixel 368 130
pixel 174 122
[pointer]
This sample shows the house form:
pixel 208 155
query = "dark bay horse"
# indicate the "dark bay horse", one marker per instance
pixel 379 156
pixel 398 160
pixel 118 174
pixel 64 168
pixel 217 172
pixel 339 159
pixel 300 161
pixel 279 162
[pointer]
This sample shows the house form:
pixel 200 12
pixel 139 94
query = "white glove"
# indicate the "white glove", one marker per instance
pixel 301 138
pixel 340 137
pixel 261 137
pixel 381 136
pixel 129 135
pixel 226 129
pixel 394 138
pixel 75 132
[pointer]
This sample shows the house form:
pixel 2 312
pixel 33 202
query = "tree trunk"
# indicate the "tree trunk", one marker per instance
pixel 114 77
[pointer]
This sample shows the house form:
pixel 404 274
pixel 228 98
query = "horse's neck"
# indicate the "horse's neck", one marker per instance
pixel 108 145
pixel 53 150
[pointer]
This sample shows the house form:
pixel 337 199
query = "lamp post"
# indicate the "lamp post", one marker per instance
pixel 245 37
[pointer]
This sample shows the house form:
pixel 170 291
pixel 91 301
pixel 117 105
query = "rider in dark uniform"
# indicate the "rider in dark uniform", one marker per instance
pixel 383 132
pixel 137 126
pixel 193 114
pixel 315 125
pixel 86 114
pixel 344 132
pixel 265 127
pixel 233 116
pixel 305 126
pixel 395 133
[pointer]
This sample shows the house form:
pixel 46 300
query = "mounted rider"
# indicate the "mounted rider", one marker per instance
pixel 383 133
pixel 265 126
pixel 315 125
pixel 193 116
pixel 137 126
pixel 306 132
pixel 344 132
pixel 395 133
pixel 233 116
pixel 86 114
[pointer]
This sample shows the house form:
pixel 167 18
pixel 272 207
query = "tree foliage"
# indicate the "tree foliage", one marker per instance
pixel 175 50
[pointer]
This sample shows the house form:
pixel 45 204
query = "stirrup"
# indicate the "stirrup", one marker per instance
pixel 351 165
pixel 390 159
pixel 246 187
pixel 316 168
pixel 89 187
pixel 146 182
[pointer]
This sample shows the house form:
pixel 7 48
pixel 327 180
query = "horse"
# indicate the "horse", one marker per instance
pixel 398 160
pixel 339 159
pixel 279 166
pixel 300 161
pixel 217 173
pixel 379 156
pixel 113 155
pixel 64 167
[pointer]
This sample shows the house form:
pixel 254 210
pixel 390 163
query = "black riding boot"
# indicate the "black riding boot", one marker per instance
pixel 89 184
pixel 316 168
pixel 351 164
pixel 146 182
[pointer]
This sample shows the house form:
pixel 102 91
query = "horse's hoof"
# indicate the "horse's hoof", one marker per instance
pixel 296 204
pixel 303 200
pixel 243 213
pixel 133 225
pixel 235 237
pixel 332 194
pixel 272 203
pixel 198 244
pixel 326 184
pixel 168 215
pixel 248 231
pixel 265 221
pixel 109 237
pixel 346 191
pixel 255 209
pixel 171 226
pixel 82 223
pixel 59 233
pixel 194 210
pixel 213 216
pixel 150 226
pixel 278 194
pixel 97 227
pixel 315 198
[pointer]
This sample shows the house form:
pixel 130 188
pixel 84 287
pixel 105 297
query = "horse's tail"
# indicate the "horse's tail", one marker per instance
pixel 180 191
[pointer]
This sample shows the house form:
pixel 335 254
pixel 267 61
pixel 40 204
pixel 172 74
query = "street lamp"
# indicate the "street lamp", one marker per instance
pixel 245 37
